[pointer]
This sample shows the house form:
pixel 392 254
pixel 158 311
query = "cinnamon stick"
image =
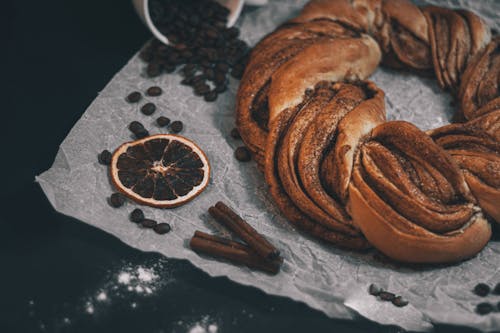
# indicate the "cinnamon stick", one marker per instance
pixel 233 251
pixel 225 215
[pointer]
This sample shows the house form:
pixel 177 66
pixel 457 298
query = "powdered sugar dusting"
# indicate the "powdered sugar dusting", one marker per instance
pixel 205 325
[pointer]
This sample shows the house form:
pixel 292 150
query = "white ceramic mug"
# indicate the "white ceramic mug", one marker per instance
pixel 234 6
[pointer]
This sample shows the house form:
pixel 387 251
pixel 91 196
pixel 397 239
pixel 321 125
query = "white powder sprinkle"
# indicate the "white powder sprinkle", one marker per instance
pixel 146 275
pixel 205 325
pixel 102 296
pixel 89 308
pixel 197 328
pixel 124 278
pixel 129 280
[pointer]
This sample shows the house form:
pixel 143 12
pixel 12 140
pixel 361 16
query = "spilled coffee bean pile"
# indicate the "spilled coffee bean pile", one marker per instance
pixel 242 153
pixel 386 296
pixel 137 216
pixel 483 290
pixel 200 41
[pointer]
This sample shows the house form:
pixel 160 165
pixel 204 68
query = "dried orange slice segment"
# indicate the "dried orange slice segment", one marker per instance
pixel 163 170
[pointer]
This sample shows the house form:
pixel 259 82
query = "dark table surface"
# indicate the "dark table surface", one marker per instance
pixel 56 56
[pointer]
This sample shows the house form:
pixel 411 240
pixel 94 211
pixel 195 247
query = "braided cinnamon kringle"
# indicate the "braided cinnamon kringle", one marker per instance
pixel 336 168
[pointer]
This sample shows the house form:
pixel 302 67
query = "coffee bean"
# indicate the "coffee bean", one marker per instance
pixel 162 121
pixel 117 200
pixel 180 46
pixel 399 301
pixel 222 67
pixel 134 97
pixel 235 134
pixel 148 223
pixel 386 296
pixel 212 33
pixel 176 126
pixel 162 228
pixel 141 134
pixel 211 96
pixel 146 55
pixel 201 89
pixel 220 88
pixel 153 69
pixel 170 68
pixel 154 91
pixel 242 154
pixel 232 32
pixel 104 157
pixel 237 71
pixel 482 289
pixel 187 81
pixel 219 77
pixel 135 126
pixel 496 290
pixel 209 73
pixel 189 69
pixel 199 78
pixel 148 109
pixel 374 290
pixel 137 215
pixel 484 308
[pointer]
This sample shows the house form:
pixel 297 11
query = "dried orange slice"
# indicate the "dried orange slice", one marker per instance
pixel 163 170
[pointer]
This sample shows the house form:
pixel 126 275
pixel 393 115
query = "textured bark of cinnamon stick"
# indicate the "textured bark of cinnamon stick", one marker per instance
pixel 225 215
pixel 235 252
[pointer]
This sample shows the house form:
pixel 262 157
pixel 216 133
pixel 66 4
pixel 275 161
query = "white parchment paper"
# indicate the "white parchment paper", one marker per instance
pixel 330 280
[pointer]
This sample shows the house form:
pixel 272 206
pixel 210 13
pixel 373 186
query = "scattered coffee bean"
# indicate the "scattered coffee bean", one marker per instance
pixel 141 134
pixel 134 97
pixel 399 301
pixel 104 157
pixel 154 91
pixel 242 154
pixel 386 296
pixel 374 290
pixel 496 290
pixel 148 223
pixel 235 134
pixel 117 199
pixel 148 109
pixel 211 96
pixel 137 215
pixel 482 289
pixel 162 228
pixel 135 126
pixel 484 308
pixel 162 121
pixel 176 126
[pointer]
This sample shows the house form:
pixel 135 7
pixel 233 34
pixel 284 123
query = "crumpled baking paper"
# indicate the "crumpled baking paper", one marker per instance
pixel 327 279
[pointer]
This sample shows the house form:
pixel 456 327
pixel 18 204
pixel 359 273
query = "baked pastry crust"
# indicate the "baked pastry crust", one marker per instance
pixel 336 168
